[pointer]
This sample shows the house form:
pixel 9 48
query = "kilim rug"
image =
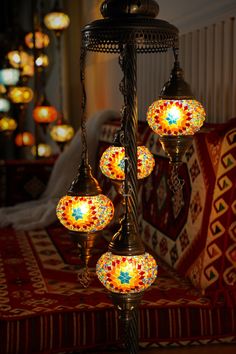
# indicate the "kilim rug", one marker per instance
pixel 44 309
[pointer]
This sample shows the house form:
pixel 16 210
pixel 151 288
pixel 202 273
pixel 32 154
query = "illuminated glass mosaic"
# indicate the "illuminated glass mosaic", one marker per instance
pixel 85 213
pixel 175 117
pixel 126 274
pixel 112 162
pixel 4 105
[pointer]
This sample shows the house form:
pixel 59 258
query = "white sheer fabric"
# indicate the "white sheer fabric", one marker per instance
pixel 41 213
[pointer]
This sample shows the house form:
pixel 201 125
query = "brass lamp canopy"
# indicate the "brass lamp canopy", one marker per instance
pixel 126 242
pixel 84 183
pixel 176 88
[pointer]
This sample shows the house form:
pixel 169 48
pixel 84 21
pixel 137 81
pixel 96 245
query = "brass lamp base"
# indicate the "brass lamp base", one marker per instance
pixel 127 306
pixel 176 146
pixel 126 303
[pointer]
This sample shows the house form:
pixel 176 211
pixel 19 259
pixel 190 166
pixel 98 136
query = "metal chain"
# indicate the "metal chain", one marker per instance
pixel 175 183
pixel 84 277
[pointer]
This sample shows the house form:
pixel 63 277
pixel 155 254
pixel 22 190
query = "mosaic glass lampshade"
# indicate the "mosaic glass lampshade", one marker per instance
pixel 44 150
pixel 126 274
pixel 56 21
pixel 21 94
pixel 24 139
pixel 7 124
pixel 18 58
pixel 85 208
pixel 62 133
pixel 45 113
pixel 85 213
pixel 9 76
pixel 112 162
pixel 41 40
pixel 4 104
pixel 175 117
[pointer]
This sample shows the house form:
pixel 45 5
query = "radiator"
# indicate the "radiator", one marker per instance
pixel 208 57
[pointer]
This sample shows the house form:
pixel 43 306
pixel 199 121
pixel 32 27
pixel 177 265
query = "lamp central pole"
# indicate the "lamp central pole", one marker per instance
pixel 131 126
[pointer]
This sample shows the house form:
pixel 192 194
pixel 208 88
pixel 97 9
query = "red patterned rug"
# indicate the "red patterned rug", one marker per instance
pixel 44 309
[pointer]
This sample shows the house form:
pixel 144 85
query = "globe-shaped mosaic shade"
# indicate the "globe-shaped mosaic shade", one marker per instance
pixel 24 139
pixel 9 76
pixel 85 213
pixel 62 133
pixel 126 274
pixel 21 94
pixel 56 21
pixel 4 104
pixel 176 117
pixel 44 150
pixel 41 40
pixel 44 114
pixel 7 124
pixel 112 162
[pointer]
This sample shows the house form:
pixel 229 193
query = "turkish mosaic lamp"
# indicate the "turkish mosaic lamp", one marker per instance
pixel 176 116
pixel 85 208
pixel 112 162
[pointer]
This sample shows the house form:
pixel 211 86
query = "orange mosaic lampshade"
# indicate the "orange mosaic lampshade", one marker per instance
pixel 56 21
pixel 85 213
pixel 112 162
pixel 24 139
pixel 41 40
pixel 62 133
pixel 44 114
pixel 175 117
pixel 126 274
pixel 21 94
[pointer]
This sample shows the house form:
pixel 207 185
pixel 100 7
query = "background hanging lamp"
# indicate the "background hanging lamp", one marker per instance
pixel 62 133
pixel 176 116
pixel 18 58
pixel 9 76
pixel 43 150
pixel 24 138
pixel 44 113
pixel 56 20
pixel 41 40
pixel 7 124
pixel 20 94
